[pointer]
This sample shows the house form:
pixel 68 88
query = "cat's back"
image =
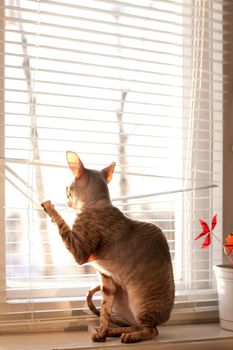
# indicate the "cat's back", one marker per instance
pixel 124 240
pixel 143 243
pixel 113 225
pixel 138 233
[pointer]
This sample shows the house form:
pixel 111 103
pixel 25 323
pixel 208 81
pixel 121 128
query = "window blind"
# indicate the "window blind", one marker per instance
pixel 138 83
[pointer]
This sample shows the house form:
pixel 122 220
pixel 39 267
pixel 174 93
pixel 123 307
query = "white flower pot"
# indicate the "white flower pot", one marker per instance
pixel 224 277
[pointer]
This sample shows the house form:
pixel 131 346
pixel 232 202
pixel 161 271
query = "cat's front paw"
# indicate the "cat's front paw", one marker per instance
pixel 97 335
pixel 47 206
pixel 100 336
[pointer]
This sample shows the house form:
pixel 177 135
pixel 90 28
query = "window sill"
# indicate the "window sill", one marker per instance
pixel 172 337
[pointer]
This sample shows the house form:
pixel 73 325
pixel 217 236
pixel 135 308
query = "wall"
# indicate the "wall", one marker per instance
pixel 228 130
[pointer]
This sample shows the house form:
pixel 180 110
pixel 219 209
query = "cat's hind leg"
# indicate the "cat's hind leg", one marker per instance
pixel 118 331
pixel 145 333
pixel 146 323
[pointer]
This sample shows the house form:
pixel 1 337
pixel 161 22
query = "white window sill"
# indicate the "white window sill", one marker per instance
pixel 196 336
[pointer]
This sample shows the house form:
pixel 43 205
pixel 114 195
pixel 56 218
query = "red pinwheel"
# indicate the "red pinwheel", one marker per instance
pixel 206 231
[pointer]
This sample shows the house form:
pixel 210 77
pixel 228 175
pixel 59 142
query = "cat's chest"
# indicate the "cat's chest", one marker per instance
pixel 102 267
pixel 107 269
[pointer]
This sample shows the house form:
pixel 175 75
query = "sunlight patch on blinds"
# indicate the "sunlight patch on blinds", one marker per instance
pixel 141 85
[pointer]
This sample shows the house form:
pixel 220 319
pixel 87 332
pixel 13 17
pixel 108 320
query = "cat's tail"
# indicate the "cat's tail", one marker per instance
pixel 96 312
pixel 90 303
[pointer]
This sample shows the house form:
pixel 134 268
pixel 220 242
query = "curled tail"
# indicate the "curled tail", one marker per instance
pixel 96 312
pixel 90 303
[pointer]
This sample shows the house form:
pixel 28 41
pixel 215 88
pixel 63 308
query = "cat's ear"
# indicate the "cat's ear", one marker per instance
pixel 75 164
pixel 108 171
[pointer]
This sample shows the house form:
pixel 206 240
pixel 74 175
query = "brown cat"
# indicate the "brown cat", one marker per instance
pixel 132 257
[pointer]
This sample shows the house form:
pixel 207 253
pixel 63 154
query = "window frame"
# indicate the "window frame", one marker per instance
pixel 227 204
pixel 227 127
pixel 2 153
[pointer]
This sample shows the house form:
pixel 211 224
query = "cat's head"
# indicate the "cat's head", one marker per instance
pixel 88 187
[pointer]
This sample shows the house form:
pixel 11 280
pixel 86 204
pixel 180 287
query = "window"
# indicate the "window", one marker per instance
pixel 141 85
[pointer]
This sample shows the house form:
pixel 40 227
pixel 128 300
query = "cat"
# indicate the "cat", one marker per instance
pixel 131 257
